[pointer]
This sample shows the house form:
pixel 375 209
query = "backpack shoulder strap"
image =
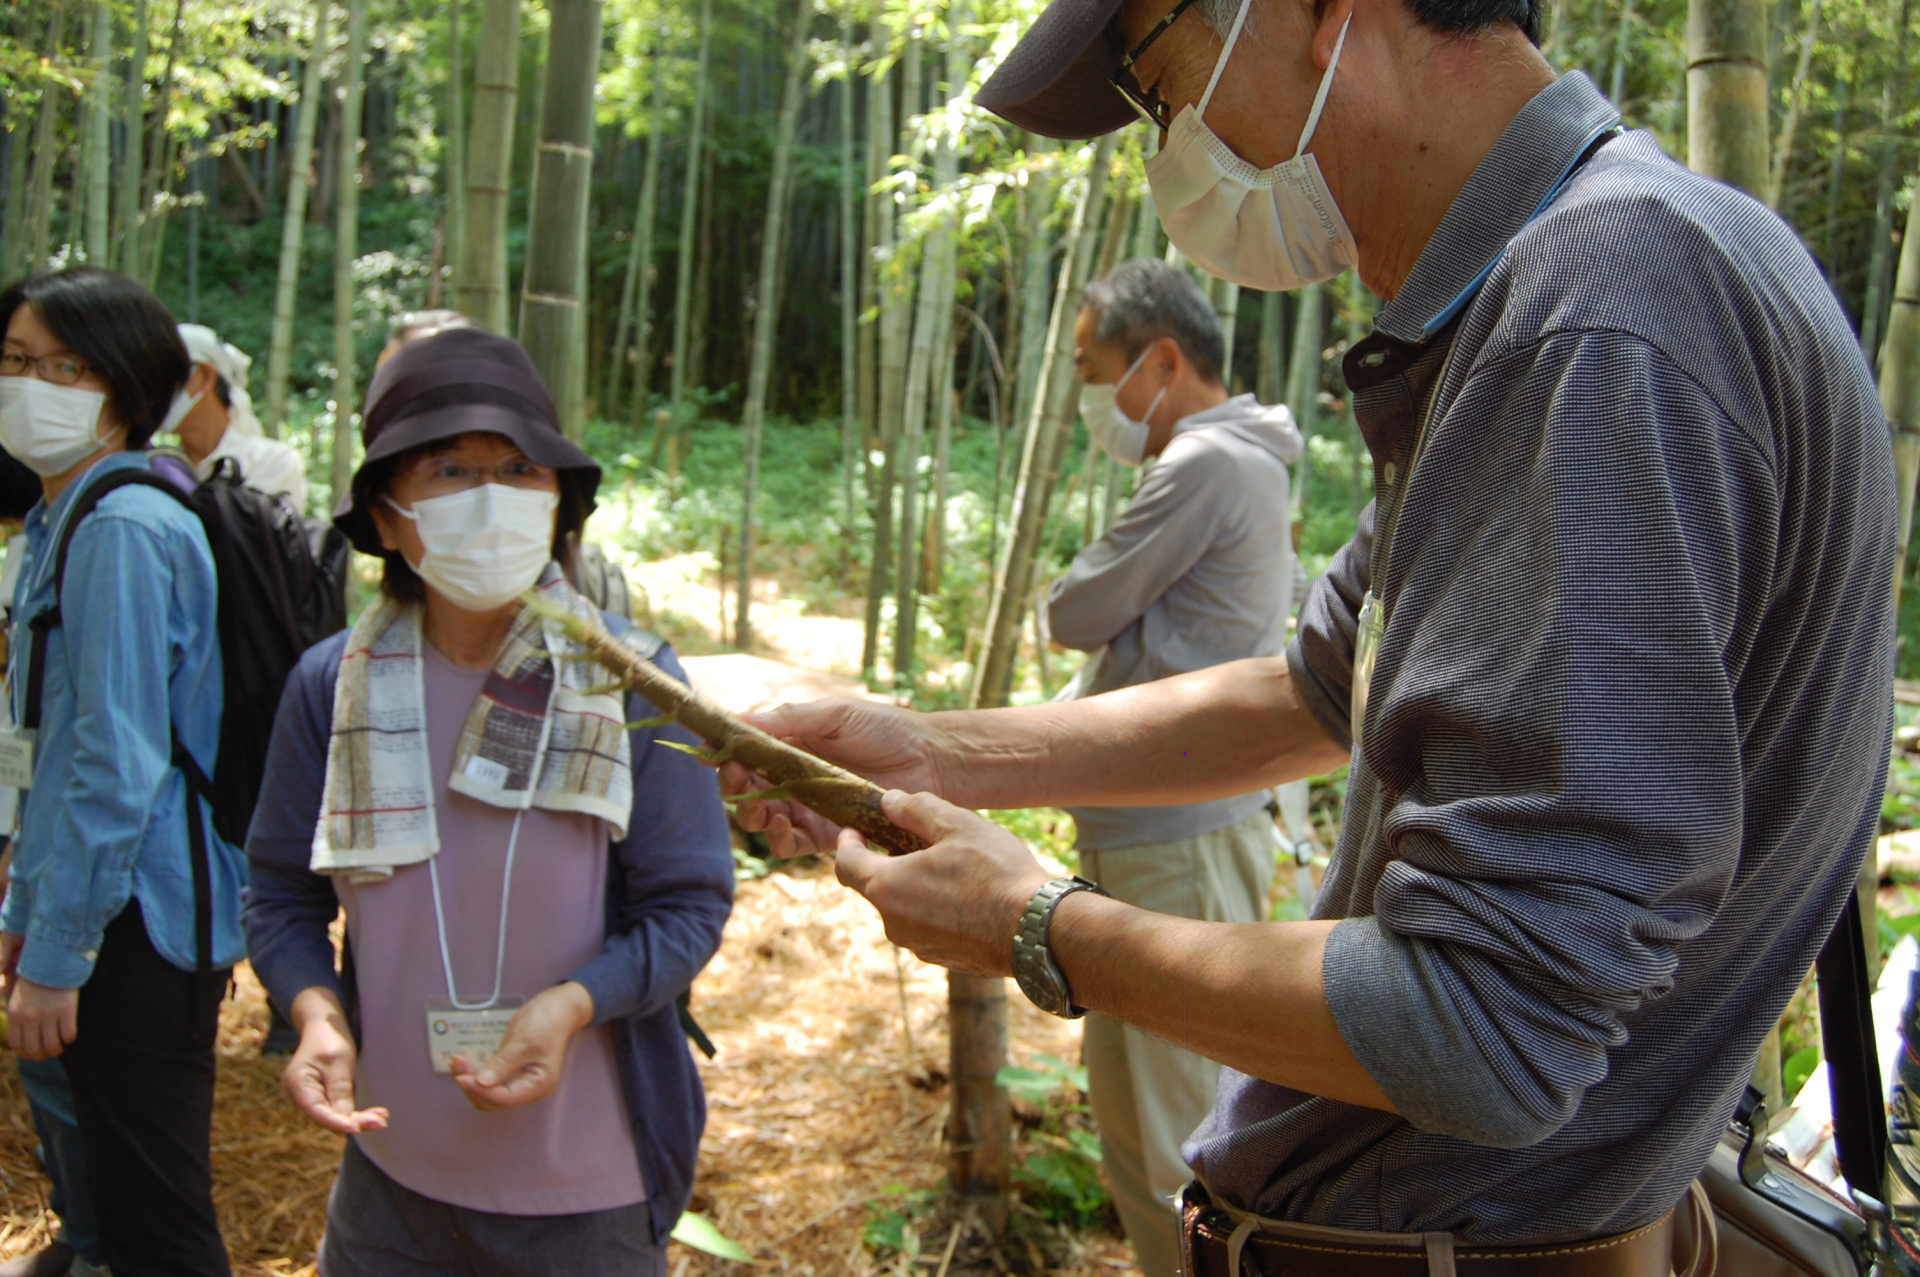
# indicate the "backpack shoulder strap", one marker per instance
pixel 1853 1063
pixel 48 619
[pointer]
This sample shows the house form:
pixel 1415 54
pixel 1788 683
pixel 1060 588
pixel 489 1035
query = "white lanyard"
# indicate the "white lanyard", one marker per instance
pixel 500 952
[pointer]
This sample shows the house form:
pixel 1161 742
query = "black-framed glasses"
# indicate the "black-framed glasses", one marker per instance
pixel 62 369
pixel 1156 112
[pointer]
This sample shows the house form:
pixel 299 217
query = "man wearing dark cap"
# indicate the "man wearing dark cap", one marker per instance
pixel 1608 657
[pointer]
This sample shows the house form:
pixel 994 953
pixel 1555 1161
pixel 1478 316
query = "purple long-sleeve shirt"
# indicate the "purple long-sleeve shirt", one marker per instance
pixel 669 891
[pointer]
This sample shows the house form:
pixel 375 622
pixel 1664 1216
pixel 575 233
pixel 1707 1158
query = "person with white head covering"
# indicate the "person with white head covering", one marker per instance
pixel 221 422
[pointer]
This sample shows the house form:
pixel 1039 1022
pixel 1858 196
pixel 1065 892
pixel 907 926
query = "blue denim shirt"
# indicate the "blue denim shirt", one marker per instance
pixel 137 650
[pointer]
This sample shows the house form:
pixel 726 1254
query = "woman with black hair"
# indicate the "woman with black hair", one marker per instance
pixel 108 968
pixel 529 880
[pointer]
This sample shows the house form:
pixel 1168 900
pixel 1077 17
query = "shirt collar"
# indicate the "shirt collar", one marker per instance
pixel 45 518
pixel 1512 185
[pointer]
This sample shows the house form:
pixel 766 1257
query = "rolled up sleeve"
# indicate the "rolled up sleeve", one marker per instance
pixel 1557 748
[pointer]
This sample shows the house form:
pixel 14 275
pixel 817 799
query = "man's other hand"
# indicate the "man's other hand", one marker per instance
pixel 956 904
pixel 888 745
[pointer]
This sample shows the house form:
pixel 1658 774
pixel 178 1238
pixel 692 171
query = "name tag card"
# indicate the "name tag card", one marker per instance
pixel 16 760
pixel 474 1034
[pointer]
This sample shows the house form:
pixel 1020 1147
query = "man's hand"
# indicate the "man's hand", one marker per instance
pixel 319 1077
pixel 888 745
pixel 958 903
pixel 527 1066
pixel 40 1021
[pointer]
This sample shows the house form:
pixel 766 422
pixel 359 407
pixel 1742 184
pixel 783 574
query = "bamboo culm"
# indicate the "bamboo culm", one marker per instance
pixel 632 334
pixel 292 226
pixel 551 301
pixel 689 214
pixel 1040 458
pixel 126 234
pixel 766 310
pixel 849 283
pixel 456 234
pixel 99 148
pixel 838 795
pixel 346 246
pixel 481 292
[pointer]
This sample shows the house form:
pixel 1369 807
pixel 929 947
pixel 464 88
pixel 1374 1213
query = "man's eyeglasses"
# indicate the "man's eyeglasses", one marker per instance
pixel 61 370
pixel 443 476
pixel 1146 101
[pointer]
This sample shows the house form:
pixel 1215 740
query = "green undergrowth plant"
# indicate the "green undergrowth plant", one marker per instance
pixel 1057 1159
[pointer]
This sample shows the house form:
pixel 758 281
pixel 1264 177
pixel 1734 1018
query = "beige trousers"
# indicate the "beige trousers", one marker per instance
pixel 1148 1096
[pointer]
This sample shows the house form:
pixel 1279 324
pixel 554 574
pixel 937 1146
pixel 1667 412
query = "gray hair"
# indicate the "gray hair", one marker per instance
pixel 1219 15
pixel 1143 300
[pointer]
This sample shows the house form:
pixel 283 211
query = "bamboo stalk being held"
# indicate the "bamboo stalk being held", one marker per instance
pixel 838 795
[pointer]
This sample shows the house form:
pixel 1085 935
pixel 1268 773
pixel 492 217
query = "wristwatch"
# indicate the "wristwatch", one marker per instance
pixel 1039 975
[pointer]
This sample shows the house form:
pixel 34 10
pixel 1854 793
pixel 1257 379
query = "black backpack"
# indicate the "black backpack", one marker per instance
pixel 283 588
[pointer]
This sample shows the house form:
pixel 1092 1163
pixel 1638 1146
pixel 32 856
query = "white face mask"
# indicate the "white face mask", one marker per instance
pixel 1120 436
pixel 1274 229
pixel 486 546
pixel 50 429
pixel 177 411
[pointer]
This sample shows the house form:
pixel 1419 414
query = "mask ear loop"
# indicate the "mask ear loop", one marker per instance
pixel 1233 37
pixel 1320 97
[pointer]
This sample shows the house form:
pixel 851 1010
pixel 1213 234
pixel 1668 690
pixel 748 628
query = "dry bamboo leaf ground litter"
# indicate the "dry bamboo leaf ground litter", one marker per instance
pixel 816 1110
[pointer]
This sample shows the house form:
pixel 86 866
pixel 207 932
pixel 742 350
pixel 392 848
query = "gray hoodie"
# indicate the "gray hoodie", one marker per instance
pixel 1197 571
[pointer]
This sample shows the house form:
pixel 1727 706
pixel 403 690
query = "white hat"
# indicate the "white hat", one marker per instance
pixel 205 347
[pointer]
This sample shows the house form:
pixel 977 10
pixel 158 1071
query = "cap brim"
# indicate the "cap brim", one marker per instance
pixel 1057 81
pixel 537 441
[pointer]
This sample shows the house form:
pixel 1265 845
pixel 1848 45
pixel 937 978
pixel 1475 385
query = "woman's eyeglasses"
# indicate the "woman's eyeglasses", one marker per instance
pixel 1146 101
pixel 61 370
pixel 442 476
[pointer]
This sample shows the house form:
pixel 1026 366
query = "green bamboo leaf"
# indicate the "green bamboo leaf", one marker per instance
pixel 698 1232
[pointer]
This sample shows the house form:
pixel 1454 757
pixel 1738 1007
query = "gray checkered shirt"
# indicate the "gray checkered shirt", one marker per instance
pixel 1628 730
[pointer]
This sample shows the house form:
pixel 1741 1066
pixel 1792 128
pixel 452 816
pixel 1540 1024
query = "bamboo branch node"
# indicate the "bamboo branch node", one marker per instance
pixel 833 792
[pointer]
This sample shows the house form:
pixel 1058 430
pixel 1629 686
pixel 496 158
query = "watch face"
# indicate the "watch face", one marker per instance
pixel 1039 981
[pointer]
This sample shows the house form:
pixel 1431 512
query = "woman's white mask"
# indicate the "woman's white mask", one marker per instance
pixel 1119 436
pixel 1274 229
pixel 50 429
pixel 486 546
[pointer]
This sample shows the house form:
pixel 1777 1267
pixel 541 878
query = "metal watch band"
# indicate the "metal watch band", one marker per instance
pixel 1038 975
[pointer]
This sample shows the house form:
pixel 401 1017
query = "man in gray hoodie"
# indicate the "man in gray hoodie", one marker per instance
pixel 1198 571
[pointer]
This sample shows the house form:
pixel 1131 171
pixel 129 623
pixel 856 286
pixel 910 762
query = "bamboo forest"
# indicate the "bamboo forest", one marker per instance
pixel 812 311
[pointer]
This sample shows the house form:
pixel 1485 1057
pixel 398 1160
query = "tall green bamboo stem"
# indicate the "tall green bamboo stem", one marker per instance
pixel 293 222
pixel 456 237
pixel 689 216
pixel 133 115
pixel 849 283
pixel 1303 381
pixel 346 245
pixel 552 301
pixel 636 292
pixel 481 294
pixel 1727 92
pixel 1879 257
pixel 45 155
pixel 1796 97
pixel 880 478
pixel 766 313
pixel 1040 458
pixel 99 149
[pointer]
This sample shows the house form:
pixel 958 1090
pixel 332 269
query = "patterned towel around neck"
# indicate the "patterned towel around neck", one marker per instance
pixel 538 716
